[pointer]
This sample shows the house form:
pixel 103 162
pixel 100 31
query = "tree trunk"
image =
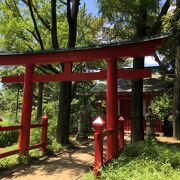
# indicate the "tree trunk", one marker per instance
pixel 40 101
pixel 176 94
pixel 137 130
pixel 62 130
pixel 63 124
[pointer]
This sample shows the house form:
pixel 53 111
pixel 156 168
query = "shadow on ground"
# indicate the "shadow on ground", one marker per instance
pixel 67 164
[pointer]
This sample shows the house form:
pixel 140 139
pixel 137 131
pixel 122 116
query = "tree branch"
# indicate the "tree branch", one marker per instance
pixel 54 25
pixel 42 69
pixel 50 68
pixel 45 22
pixel 157 59
pixel 156 26
pixel 29 3
pixel 33 33
pixel 17 13
pixel 69 11
pixel 63 2
pixel 72 14
pixel 30 48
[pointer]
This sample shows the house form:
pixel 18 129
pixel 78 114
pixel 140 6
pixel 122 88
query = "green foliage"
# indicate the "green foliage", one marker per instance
pixel 124 16
pixel 89 176
pixel 161 106
pixel 14 160
pixel 144 160
pixel 35 136
pixel 7 138
pixel 8 162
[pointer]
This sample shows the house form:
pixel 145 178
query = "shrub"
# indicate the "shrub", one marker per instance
pixel 144 160
pixel 7 138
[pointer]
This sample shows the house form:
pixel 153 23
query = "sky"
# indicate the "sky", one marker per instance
pixel 91 6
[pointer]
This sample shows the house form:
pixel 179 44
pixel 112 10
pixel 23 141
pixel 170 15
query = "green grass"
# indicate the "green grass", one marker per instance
pixel 10 161
pixel 13 160
pixel 144 160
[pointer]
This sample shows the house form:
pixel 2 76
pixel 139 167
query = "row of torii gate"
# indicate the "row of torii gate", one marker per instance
pixel 111 53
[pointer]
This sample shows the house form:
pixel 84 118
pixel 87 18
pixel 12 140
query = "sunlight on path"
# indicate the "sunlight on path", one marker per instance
pixel 67 166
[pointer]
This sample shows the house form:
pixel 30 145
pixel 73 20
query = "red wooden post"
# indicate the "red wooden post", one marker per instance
pixel 111 109
pixel 44 132
pixel 121 132
pixel 24 136
pixel 98 125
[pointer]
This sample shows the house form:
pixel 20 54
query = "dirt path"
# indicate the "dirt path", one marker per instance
pixel 66 166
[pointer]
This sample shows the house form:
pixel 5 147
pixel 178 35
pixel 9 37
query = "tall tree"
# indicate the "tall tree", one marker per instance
pixel 62 130
pixel 135 19
pixel 176 93
pixel 137 129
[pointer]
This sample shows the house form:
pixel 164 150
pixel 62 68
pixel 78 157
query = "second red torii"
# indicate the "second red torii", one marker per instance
pixel 102 75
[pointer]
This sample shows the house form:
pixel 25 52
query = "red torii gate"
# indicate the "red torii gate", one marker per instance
pixel 110 52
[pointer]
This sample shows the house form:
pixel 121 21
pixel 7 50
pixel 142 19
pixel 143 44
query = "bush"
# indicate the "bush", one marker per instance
pixel 8 138
pixel 144 160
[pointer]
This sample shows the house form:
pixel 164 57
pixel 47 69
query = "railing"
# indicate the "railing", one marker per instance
pixel 157 124
pixel 42 144
pixel 99 136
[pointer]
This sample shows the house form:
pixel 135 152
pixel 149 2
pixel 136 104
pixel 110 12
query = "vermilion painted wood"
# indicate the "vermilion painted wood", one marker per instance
pixel 44 132
pixel 111 109
pixel 134 74
pixel 40 145
pixel 9 153
pixel 99 135
pixel 123 74
pixel 141 48
pixel 98 148
pixel 67 68
pixel 157 126
pixel 98 125
pixel 36 125
pixel 106 133
pixel 9 128
pixel 121 132
pixel 26 109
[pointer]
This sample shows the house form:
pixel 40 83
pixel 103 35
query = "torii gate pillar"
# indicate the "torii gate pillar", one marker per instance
pixel 24 137
pixel 111 109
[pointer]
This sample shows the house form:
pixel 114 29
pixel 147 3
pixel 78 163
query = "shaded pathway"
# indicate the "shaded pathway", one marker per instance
pixel 67 166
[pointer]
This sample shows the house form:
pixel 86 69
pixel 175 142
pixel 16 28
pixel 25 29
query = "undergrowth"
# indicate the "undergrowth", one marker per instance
pixel 144 160
pixel 14 160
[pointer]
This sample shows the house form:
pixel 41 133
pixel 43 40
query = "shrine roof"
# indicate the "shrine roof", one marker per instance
pixel 126 48
pixel 150 85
